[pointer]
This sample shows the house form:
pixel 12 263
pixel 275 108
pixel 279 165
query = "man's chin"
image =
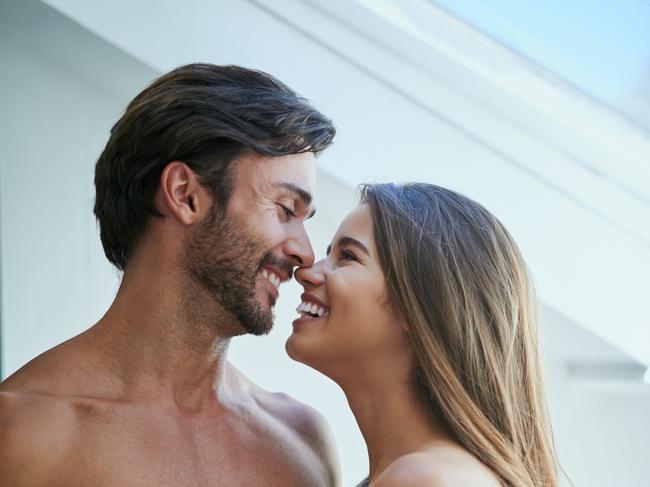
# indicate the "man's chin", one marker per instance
pixel 260 327
pixel 258 319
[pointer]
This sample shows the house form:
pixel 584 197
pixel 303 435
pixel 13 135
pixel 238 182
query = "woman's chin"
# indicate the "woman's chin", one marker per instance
pixel 289 348
pixel 298 351
pixel 293 348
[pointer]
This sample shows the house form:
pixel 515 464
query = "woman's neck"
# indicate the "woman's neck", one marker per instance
pixel 392 421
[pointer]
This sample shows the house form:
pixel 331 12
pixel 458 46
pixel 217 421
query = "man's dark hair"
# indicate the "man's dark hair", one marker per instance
pixel 206 116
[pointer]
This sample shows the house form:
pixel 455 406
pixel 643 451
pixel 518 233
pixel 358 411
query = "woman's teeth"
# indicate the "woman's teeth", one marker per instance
pixel 312 309
pixel 272 278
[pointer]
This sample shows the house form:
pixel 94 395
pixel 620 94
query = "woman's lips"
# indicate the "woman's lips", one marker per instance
pixel 310 298
pixel 305 319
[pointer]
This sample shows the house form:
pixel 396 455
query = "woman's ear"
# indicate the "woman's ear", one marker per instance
pixel 182 195
pixel 401 319
pixel 398 317
pixel 403 323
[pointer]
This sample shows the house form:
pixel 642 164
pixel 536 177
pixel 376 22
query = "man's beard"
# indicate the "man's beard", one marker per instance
pixel 225 262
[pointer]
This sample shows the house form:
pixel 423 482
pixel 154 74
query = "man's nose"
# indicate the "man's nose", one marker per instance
pixel 299 249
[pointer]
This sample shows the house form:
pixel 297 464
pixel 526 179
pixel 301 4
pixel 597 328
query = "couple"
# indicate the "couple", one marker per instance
pixel 422 311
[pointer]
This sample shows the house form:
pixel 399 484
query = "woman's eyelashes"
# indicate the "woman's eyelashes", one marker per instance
pixel 340 254
pixel 346 255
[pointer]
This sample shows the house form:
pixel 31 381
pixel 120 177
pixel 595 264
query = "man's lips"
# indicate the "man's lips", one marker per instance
pixel 282 275
pixel 282 267
pixel 273 277
pixel 271 281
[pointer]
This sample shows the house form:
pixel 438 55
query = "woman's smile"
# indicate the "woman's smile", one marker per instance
pixel 310 309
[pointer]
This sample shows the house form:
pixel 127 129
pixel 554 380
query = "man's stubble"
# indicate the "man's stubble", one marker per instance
pixel 224 262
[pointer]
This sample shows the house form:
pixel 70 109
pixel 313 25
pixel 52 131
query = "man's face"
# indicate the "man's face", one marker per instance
pixel 242 256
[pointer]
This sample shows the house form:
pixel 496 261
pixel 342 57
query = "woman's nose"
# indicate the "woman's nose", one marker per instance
pixel 312 276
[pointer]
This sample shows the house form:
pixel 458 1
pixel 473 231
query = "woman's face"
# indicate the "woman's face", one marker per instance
pixel 346 324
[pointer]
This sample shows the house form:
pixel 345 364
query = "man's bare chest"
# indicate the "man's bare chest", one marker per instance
pixel 161 450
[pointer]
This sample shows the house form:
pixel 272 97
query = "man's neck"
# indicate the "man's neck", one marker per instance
pixel 156 347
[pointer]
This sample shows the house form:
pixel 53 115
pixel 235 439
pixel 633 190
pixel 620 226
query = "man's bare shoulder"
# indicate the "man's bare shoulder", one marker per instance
pixel 437 468
pixel 307 423
pixel 305 420
pixel 34 435
pixel 59 371
pixel 310 426
pixel 33 400
pixel 39 415
pixel 25 413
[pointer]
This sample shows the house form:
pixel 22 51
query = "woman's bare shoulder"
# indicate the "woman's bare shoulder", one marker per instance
pixel 437 467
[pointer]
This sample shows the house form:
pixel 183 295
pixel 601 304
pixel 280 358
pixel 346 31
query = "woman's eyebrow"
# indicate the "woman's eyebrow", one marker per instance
pixel 349 241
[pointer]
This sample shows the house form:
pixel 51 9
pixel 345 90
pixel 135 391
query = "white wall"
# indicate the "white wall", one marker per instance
pixel 602 435
pixel 54 118
pixel 601 426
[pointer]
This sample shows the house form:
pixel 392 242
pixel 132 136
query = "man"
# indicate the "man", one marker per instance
pixel 201 195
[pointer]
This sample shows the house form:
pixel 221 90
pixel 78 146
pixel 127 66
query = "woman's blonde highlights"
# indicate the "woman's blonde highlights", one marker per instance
pixel 457 277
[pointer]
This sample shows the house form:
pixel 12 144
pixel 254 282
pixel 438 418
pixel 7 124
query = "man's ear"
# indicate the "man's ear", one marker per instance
pixel 182 195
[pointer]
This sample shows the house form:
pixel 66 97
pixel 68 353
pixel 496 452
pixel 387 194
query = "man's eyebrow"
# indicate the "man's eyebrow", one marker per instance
pixel 305 196
pixel 349 241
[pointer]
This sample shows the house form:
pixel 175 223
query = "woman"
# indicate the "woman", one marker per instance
pixel 423 313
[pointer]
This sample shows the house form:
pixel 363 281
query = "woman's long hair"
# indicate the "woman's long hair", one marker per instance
pixel 456 276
